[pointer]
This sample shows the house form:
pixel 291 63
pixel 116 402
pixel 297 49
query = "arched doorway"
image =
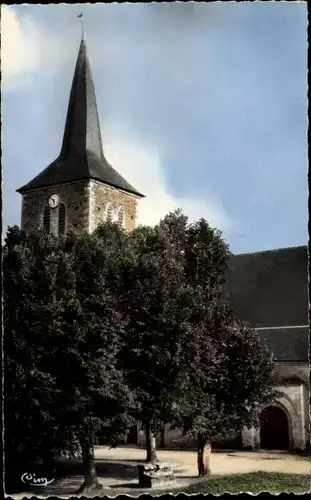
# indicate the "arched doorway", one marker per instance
pixel 274 429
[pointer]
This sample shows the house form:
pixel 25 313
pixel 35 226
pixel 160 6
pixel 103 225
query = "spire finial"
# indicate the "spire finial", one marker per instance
pixel 80 16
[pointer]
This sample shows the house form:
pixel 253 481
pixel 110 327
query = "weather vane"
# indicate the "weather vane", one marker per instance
pixel 80 16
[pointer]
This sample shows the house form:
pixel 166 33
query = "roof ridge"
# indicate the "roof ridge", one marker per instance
pixel 281 249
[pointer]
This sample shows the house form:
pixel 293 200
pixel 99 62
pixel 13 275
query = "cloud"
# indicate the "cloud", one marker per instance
pixel 20 50
pixel 26 48
pixel 30 49
pixel 143 168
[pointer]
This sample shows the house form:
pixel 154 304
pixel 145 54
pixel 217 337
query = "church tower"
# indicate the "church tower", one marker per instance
pixel 79 189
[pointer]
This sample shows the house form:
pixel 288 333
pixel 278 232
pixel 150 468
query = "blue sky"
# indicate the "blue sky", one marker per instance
pixel 202 107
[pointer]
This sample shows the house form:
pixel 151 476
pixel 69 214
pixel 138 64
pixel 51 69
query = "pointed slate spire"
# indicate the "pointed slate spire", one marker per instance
pixel 82 129
pixel 81 156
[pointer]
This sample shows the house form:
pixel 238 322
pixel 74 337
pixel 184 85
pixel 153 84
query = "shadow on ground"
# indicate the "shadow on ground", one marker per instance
pixel 68 477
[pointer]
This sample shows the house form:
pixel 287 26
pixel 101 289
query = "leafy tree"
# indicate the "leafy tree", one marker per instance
pixel 226 372
pixel 63 332
pixel 109 327
pixel 95 339
pixel 153 299
pixel 29 387
pixel 231 378
pixel 207 371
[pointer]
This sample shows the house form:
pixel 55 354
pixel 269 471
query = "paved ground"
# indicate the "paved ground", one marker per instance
pixel 221 462
pixel 117 468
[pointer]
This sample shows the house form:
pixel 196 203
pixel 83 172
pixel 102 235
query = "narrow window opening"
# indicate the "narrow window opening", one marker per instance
pixel 47 219
pixel 120 217
pixel 62 219
pixel 109 213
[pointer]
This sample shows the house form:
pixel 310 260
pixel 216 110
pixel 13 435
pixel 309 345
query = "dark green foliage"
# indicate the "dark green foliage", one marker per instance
pixel 227 374
pixel 152 297
pixel 191 361
pixel 63 332
pixel 105 328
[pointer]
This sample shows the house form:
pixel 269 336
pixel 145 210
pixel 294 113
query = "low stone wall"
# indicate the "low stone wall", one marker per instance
pixel 175 439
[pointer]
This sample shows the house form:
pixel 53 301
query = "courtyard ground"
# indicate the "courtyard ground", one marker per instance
pixel 117 468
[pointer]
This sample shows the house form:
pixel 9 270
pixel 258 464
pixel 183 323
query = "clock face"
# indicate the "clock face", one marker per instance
pixel 54 200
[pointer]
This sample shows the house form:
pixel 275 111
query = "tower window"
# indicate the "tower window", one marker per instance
pixel 120 217
pixel 47 219
pixel 109 213
pixel 62 219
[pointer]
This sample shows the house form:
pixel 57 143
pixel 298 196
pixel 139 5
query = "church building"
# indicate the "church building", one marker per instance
pixel 79 189
pixel 268 289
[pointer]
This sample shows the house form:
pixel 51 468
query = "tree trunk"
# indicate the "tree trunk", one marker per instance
pixel 162 443
pixel 204 456
pixel 89 469
pixel 150 445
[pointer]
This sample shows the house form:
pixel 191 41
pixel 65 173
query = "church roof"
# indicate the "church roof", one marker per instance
pixel 81 155
pixel 270 290
pixel 287 344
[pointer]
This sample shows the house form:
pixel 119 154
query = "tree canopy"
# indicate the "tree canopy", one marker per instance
pixel 107 329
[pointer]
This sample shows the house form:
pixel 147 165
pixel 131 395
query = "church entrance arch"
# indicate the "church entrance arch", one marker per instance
pixel 274 429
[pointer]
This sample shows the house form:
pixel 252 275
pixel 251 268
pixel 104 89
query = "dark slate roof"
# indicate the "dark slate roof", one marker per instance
pixel 81 155
pixel 287 344
pixel 270 288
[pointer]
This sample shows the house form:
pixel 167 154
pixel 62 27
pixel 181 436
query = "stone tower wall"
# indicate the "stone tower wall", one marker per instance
pixel 85 202
pixel 75 196
pixel 101 195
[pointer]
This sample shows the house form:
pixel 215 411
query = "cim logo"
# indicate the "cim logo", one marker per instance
pixel 32 480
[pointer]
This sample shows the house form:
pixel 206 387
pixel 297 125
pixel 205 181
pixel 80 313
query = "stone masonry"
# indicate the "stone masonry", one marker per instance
pixel 294 402
pixel 155 475
pixel 85 202
pixel 75 197
pixel 101 195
